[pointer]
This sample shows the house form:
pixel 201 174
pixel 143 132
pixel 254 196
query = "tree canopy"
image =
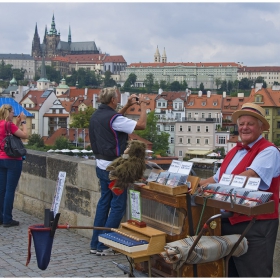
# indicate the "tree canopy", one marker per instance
pixel 159 139
pixel 82 118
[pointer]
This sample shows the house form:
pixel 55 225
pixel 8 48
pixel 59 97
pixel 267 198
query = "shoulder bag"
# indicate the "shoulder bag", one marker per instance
pixel 13 145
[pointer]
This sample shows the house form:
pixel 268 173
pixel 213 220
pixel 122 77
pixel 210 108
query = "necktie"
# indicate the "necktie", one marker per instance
pixel 240 146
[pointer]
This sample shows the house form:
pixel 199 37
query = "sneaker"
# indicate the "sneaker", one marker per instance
pixel 107 252
pixel 13 223
pixel 92 251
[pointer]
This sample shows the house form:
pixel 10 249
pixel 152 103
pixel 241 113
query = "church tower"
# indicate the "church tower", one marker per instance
pixel 52 40
pixel 164 57
pixel 157 56
pixel 36 48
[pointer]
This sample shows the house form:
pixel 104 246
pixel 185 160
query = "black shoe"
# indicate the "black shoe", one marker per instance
pixel 13 223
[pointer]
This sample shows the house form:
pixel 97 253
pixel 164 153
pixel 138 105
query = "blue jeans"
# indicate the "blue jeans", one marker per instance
pixel 108 201
pixel 10 170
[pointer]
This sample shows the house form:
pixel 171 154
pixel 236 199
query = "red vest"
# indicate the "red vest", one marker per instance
pixel 241 167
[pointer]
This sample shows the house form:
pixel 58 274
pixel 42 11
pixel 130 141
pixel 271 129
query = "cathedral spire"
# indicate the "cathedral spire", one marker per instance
pixel 157 56
pixel 53 30
pixel 164 57
pixel 36 51
pixel 69 35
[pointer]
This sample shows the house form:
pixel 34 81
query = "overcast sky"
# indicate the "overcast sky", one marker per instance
pixel 189 32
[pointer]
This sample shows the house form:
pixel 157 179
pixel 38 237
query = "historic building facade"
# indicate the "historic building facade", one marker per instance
pixel 52 46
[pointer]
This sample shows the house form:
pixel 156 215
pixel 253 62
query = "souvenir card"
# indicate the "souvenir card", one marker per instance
pixel 174 166
pixel 256 198
pixel 162 177
pixel 239 194
pixel 226 179
pixel 238 181
pixel 210 190
pixel 186 167
pixel 176 179
pixel 223 193
pixel 152 176
pixel 253 183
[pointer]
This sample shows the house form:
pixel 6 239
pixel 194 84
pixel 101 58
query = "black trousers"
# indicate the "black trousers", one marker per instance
pixel 258 261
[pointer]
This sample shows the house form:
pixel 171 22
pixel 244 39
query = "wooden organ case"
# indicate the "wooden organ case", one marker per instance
pixel 169 213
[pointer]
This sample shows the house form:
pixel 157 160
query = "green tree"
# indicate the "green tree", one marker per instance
pixel 201 87
pixel 19 74
pixel 6 72
pixel 108 81
pixel 230 86
pixel 149 82
pixel 130 81
pixel 35 140
pixel 159 139
pixel 61 142
pixel 82 118
pixel 163 85
pixel 175 86
pixel 277 142
pixel 261 80
pixel 224 86
pixel 245 83
pixel 218 82
pixel 184 85
pixel 52 74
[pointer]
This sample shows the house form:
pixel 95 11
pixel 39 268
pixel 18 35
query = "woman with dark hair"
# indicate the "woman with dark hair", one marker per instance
pixel 10 168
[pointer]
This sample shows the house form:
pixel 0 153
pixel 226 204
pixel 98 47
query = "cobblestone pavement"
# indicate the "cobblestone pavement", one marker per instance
pixel 70 254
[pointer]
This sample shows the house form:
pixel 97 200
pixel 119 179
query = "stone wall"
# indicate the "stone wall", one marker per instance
pixel 37 185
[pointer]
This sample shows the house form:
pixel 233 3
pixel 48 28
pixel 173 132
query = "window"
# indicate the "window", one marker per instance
pixel 171 140
pixel 267 112
pixel 222 140
pixel 158 127
pixel 180 140
pixel 206 141
pixel 189 128
pixel 181 128
pixel 206 129
pixel 266 136
pixel 189 141
pixel 172 128
pixel 197 141
pixel 209 115
pixel 53 111
pixel 203 115
pixel 198 128
pixel 278 124
pixel 33 126
pixel 180 153
pixel 60 111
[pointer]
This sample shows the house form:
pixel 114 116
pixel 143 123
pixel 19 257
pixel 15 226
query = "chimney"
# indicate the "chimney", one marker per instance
pixel 224 94
pixel 200 93
pixel 160 91
pixel 208 93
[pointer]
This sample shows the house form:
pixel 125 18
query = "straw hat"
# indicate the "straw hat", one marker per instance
pixel 254 110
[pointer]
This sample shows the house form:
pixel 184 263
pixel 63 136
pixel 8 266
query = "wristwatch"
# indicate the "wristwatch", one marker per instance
pixel 23 122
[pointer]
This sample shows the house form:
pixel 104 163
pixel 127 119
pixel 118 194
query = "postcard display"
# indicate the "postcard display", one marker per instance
pixel 174 180
pixel 238 190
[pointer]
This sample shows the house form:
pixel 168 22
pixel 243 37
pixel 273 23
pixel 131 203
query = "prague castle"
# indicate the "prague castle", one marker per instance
pixel 52 45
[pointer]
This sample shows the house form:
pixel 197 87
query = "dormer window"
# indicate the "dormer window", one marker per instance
pixel 203 103
pixel 215 103
pixel 191 103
